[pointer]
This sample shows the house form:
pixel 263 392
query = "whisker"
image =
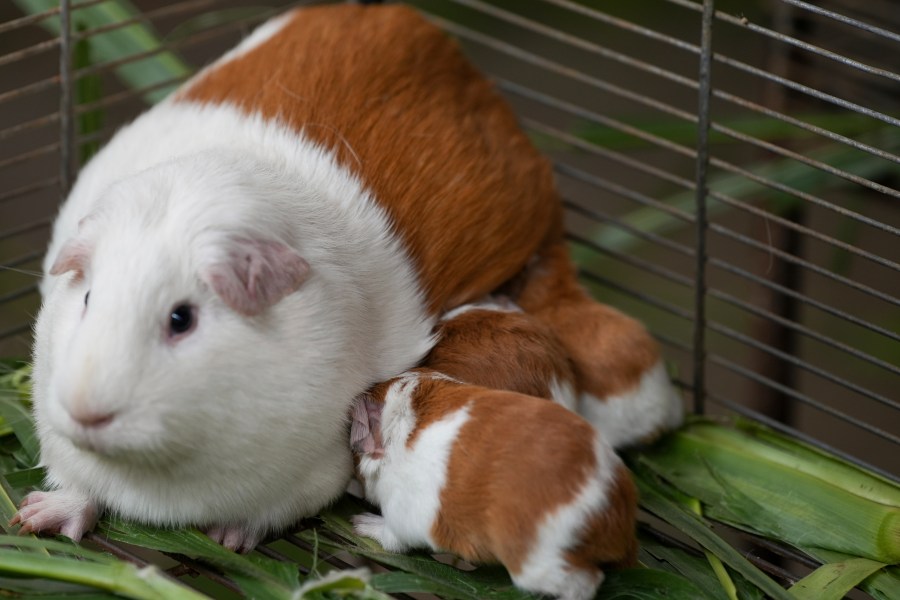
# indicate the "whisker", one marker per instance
pixel 22 271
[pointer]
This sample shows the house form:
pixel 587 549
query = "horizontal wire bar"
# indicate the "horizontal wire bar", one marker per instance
pixel 743 23
pixel 771 285
pixel 768 248
pixel 45 14
pixel 656 303
pixel 18 55
pixel 844 19
pixel 619 190
pixel 670 275
pixel 803 398
pixel 28 227
pixel 803 229
pixel 821 338
pixel 744 305
pixel 810 162
pixel 592 148
pixel 29 125
pixel 681 44
pixel 113 99
pixel 28 189
pixel 784 118
pixel 599 216
pixel 738 336
pixel 18 294
pixel 14 330
pixel 603 217
pixel 37 152
pixel 31 88
pixel 633 261
pixel 182 6
pixel 662 142
pixel 811 440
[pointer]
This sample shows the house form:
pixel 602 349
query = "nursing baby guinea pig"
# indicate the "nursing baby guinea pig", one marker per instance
pixel 248 256
pixel 493 344
pixel 622 383
pixel 494 476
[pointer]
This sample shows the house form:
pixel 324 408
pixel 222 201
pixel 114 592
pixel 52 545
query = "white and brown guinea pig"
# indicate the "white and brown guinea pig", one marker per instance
pixel 248 256
pixel 494 476
pixel 622 383
pixel 493 344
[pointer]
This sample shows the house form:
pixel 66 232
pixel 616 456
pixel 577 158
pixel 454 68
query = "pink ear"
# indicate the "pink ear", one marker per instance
pixel 73 256
pixel 255 274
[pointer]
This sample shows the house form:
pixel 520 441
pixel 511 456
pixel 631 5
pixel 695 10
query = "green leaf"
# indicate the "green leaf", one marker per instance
pixel 834 580
pixel 17 416
pixel 217 18
pixel 647 584
pixel 258 576
pixel 656 499
pixel 27 478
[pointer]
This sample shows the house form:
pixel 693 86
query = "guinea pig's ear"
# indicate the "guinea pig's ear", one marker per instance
pixel 252 275
pixel 73 256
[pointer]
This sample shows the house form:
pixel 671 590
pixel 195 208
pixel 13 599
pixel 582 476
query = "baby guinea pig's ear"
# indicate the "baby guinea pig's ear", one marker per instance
pixel 250 275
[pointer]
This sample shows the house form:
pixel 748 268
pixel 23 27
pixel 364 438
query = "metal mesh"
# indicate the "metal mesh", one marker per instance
pixel 730 178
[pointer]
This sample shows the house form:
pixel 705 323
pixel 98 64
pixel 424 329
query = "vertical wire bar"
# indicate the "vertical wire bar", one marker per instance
pixel 703 119
pixel 66 101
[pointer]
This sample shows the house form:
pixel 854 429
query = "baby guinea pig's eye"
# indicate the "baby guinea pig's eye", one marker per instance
pixel 182 320
pixel 86 296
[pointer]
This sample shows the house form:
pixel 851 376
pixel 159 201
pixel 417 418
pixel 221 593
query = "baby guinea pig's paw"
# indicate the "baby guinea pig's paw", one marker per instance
pixel 235 537
pixel 61 511
pixel 375 526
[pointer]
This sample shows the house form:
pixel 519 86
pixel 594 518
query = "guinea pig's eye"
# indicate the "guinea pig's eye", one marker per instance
pixel 182 319
pixel 86 296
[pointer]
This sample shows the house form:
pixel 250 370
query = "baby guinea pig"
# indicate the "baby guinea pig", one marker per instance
pixel 494 476
pixel 492 343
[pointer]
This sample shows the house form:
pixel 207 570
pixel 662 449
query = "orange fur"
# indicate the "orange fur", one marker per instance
pixel 442 152
pixel 501 350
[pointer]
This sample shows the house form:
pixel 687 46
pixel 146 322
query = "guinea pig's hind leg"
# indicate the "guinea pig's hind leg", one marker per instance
pixel 61 511
pixel 239 538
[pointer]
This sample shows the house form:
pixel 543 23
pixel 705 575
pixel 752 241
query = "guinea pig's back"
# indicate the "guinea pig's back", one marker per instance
pixel 401 107
pixel 524 479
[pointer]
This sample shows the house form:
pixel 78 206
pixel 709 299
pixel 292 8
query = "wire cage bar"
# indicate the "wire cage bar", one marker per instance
pixel 730 178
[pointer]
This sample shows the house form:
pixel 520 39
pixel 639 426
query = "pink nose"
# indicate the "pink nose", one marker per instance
pixel 93 420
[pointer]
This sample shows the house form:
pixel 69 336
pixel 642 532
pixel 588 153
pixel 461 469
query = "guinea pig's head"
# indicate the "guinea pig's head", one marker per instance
pixel 159 321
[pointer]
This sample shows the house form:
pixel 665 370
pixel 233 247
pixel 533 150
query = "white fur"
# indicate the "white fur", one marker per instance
pixel 563 393
pixel 652 406
pixel 243 422
pixel 488 304
pixel 546 569
pixel 407 482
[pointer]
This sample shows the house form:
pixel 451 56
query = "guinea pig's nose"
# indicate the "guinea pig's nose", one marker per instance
pixel 93 420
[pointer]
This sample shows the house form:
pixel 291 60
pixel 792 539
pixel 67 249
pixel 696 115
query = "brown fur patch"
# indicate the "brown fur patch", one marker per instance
pixel 501 350
pixel 401 107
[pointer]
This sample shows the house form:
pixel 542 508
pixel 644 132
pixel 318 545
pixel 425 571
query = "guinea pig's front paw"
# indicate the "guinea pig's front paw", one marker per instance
pixel 374 526
pixel 239 538
pixel 60 511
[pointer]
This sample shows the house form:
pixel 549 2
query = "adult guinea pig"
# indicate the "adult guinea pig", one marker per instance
pixel 248 256
pixel 493 344
pixel 494 476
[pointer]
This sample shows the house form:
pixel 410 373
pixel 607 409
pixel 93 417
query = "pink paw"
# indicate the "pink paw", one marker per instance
pixel 235 537
pixel 67 513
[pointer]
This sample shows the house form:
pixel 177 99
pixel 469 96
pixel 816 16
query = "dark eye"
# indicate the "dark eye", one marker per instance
pixel 86 296
pixel 182 319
